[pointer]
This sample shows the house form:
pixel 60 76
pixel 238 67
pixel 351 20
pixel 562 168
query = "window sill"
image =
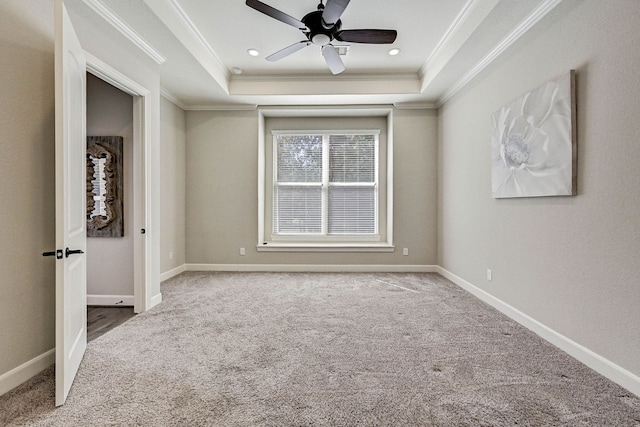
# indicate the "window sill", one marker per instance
pixel 325 247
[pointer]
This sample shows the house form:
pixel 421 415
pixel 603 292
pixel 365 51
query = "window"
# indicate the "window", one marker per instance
pixel 325 184
pixel 325 179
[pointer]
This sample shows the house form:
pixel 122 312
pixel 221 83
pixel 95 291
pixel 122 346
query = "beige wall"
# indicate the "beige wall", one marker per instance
pixel 570 263
pixel 172 184
pixel 110 259
pixel 222 192
pixel 27 170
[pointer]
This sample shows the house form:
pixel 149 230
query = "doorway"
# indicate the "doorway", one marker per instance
pixel 106 75
pixel 110 261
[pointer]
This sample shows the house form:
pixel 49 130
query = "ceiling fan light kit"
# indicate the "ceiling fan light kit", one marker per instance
pixel 320 28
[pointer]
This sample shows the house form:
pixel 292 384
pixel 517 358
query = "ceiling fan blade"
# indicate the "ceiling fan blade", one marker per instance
pixel 276 14
pixel 367 36
pixel 282 53
pixel 332 58
pixel 333 10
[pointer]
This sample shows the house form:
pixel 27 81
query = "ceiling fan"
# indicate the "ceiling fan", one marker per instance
pixel 321 27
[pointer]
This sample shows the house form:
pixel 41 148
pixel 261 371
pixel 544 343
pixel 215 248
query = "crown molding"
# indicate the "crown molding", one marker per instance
pixel 105 13
pixel 415 105
pixel 169 96
pixel 261 78
pixel 525 25
pixel 453 28
pixel 198 35
pixel 115 78
pixel 470 18
pixel 222 107
pixel 303 110
pixel 178 22
pixel 355 84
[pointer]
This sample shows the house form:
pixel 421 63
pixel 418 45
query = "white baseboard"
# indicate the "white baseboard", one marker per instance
pixel 155 300
pixel 17 376
pixel 172 273
pixel 596 362
pixel 314 268
pixel 115 300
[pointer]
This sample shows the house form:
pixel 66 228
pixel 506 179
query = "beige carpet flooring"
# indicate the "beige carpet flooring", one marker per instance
pixel 271 349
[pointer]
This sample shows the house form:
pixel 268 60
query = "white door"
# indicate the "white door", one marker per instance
pixel 71 270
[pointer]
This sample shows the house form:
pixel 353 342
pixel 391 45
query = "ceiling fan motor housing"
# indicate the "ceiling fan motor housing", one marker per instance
pixel 318 34
pixel 320 28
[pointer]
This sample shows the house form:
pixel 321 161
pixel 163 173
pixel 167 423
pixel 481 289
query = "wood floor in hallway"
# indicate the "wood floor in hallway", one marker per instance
pixel 101 320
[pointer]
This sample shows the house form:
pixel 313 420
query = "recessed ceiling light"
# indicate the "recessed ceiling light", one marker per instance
pixel 394 51
pixel 236 70
pixel 253 52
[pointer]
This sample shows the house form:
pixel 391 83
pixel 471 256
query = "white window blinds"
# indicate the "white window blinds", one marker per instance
pixel 352 184
pixel 298 184
pixel 325 184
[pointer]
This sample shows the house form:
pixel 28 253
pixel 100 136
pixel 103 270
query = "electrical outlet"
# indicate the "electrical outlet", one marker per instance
pixel 489 275
pixel 405 251
pixel 242 252
pixel 170 255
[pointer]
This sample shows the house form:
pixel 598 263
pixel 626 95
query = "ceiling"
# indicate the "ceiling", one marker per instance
pixel 201 48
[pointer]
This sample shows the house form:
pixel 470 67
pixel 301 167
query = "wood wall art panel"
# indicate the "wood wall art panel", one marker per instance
pixel 105 217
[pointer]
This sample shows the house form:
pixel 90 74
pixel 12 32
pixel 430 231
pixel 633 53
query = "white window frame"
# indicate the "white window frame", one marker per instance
pixel 325 186
pixel 382 243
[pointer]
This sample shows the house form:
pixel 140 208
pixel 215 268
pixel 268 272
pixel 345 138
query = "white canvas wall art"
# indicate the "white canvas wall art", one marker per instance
pixel 533 142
